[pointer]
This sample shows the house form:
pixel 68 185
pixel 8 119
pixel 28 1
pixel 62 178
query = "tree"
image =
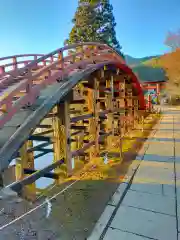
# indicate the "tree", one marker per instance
pixel 173 40
pixel 170 62
pixel 94 22
pixel 106 32
pixel 85 22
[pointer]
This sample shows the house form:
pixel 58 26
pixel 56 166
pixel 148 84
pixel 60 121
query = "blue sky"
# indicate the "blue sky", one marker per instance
pixel 40 26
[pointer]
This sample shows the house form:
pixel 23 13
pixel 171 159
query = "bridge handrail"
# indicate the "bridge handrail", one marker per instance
pixel 43 58
pixel 25 81
pixel 72 46
pixel 21 55
pixel 13 62
pixel 32 64
pixel 25 84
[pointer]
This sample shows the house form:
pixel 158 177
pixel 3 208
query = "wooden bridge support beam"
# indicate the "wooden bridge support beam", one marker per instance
pixel 80 140
pixel 129 106
pixel 136 111
pixel 149 103
pixel 77 143
pixel 158 92
pixel 119 116
pixel 123 105
pixel 125 109
pixel 110 116
pixel 61 138
pixel 26 161
pixel 94 126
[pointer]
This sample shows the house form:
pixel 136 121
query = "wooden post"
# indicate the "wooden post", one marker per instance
pixel 120 140
pixel 14 63
pixel 2 70
pixel 94 107
pixel 158 88
pixel 26 160
pixel 123 105
pixel 125 110
pixel 60 59
pixel 80 139
pixel 142 120
pixel 61 135
pixel 110 115
pixel 158 92
pixel 136 111
pixel 149 102
pixel 130 105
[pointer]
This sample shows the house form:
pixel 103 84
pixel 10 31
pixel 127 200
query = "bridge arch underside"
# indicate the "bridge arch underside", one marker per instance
pixel 80 119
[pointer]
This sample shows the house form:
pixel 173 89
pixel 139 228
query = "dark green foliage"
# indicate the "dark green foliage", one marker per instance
pixel 85 23
pixel 107 32
pixel 146 73
pixel 94 22
pixel 131 61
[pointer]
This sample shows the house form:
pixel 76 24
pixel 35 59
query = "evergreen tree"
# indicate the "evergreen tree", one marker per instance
pixel 85 22
pixel 107 31
pixel 94 22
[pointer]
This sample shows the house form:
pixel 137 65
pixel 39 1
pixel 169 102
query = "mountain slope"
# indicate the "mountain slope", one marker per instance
pixel 149 74
pixel 131 61
pixel 144 72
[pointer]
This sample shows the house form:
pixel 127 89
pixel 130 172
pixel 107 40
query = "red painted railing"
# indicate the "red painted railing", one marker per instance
pixel 23 85
pixel 12 63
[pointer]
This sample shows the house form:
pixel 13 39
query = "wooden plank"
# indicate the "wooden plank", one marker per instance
pixel 44 126
pixel 78 127
pixel 26 160
pixel 80 151
pixel 17 186
pixel 82 117
pixel 39 147
pixel 47 175
pixel 79 101
pixel 40 138
pixel 61 126
pixel 43 133
pixel 75 133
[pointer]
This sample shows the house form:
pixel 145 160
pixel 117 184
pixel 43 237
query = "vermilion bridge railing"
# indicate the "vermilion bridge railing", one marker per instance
pixel 12 63
pixel 20 81
pixel 16 62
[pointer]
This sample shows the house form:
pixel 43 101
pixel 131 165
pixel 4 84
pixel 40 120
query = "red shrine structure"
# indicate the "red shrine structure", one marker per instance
pixel 157 86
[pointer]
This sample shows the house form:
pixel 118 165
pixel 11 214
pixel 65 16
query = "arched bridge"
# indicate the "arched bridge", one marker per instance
pixel 80 98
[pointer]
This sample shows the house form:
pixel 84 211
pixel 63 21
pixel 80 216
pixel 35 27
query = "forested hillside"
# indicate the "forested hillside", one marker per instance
pixel 143 71
pixel 131 61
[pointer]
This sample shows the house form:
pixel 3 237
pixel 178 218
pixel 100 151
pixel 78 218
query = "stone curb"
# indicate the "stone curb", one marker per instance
pixel 115 200
pixel 119 195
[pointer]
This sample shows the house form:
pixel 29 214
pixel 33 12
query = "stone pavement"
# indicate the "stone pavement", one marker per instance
pixel 147 204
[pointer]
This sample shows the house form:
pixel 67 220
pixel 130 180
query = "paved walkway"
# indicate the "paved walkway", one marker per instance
pixel 147 204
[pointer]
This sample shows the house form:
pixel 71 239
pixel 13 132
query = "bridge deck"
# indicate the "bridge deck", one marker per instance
pixel 147 204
